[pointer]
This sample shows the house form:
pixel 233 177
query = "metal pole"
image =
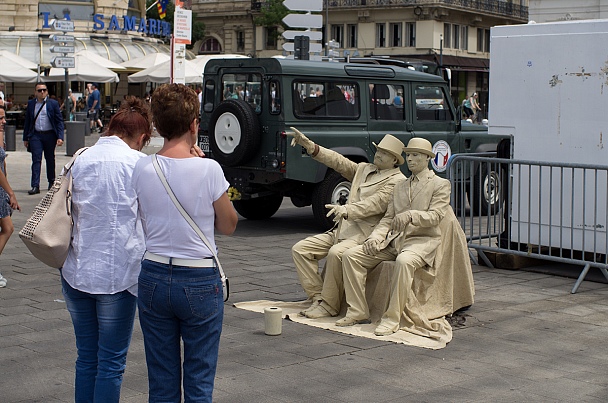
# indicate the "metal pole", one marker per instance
pixel 440 50
pixel 326 27
pixel 66 118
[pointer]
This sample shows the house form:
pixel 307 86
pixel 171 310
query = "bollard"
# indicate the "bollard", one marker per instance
pixel 10 141
pixel 74 137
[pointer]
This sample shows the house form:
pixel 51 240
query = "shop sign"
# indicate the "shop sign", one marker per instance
pixel 118 24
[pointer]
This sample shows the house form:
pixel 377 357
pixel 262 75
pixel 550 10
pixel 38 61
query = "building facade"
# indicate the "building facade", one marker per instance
pixel 565 10
pixel 453 33
pixel 117 30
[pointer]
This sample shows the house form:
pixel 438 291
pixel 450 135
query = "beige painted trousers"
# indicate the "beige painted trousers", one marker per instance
pixel 402 301
pixel 306 255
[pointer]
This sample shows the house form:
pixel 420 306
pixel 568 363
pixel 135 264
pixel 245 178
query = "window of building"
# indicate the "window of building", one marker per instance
pixel 380 35
pixel 210 45
pixel 483 40
pixel 352 35
pixel 447 35
pixel 410 34
pixel 464 37
pixel 337 33
pixel 271 34
pixel 240 41
pixel 317 99
pixel 395 34
pixel 455 36
pixel 431 104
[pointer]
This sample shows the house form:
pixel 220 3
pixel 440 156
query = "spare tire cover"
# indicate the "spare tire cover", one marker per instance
pixel 235 133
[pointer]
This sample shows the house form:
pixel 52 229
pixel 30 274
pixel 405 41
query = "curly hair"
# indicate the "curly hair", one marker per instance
pixel 174 107
pixel 131 120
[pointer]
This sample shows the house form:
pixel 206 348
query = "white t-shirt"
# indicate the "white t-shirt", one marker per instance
pixel 197 184
pixel 107 239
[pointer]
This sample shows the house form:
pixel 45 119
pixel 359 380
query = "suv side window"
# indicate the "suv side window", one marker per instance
pixel 275 97
pixel 313 99
pixel 431 104
pixel 246 87
pixel 386 102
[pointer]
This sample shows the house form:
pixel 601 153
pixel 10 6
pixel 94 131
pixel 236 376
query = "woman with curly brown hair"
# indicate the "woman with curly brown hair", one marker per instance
pixel 99 277
pixel 180 290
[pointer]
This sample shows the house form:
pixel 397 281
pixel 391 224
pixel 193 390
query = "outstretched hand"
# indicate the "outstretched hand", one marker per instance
pixel 301 139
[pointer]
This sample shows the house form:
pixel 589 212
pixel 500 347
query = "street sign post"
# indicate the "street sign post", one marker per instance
pixel 65 62
pixel 303 20
pixel 62 49
pixel 62 38
pixel 63 25
pixel 303 5
pixel 313 35
pixel 313 47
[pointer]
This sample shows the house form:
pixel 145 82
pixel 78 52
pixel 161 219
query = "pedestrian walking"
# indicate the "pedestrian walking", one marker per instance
pixel 43 131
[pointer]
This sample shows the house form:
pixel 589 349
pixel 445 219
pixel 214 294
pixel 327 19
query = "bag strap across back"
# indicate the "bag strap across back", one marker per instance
pixel 185 214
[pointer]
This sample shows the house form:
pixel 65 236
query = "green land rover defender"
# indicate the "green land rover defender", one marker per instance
pixel 249 104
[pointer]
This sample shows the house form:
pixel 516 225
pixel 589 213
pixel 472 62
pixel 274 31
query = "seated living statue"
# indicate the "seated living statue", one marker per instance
pixel 372 186
pixel 409 234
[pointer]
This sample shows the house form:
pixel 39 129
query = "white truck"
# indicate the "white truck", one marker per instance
pixel 549 90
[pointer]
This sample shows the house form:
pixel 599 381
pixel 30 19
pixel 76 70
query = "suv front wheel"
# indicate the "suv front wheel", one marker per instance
pixel 333 190
pixel 234 132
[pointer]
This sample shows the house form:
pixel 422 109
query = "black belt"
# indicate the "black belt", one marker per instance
pixel 44 132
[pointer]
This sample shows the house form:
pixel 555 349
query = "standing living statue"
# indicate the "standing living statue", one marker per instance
pixel 409 234
pixel 372 185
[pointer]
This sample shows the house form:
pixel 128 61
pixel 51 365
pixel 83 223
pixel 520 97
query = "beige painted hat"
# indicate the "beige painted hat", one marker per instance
pixel 420 145
pixel 393 145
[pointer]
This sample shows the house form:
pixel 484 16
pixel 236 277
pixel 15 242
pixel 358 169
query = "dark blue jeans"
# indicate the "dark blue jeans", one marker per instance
pixel 103 324
pixel 42 143
pixel 180 302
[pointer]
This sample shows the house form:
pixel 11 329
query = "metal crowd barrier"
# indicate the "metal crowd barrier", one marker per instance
pixel 549 211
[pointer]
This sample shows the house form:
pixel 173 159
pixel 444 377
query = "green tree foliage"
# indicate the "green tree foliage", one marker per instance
pixel 271 15
pixel 198 27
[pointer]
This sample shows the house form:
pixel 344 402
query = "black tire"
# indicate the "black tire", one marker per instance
pixel 488 192
pixel 234 132
pixel 333 190
pixel 259 208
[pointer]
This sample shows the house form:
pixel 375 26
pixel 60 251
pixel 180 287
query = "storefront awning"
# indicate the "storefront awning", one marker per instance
pixel 459 62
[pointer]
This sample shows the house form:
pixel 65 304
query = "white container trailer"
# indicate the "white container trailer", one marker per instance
pixel 549 89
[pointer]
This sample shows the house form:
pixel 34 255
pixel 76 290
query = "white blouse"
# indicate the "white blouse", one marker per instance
pixel 107 239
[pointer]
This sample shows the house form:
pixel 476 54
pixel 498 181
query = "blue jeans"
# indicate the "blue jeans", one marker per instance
pixel 103 324
pixel 184 302
pixel 38 144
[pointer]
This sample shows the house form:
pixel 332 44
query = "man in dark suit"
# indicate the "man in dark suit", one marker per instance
pixel 42 132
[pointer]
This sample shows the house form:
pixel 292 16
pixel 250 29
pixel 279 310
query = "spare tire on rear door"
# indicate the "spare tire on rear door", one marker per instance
pixel 234 132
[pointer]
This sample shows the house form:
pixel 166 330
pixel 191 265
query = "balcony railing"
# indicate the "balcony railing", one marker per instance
pixel 494 7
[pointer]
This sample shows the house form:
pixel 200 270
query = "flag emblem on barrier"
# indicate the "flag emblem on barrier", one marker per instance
pixel 162 8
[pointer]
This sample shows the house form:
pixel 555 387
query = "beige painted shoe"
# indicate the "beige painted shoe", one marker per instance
pixel 348 321
pixel 315 303
pixel 320 311
pixel 383 330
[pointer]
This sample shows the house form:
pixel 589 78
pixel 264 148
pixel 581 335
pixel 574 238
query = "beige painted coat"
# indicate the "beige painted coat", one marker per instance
pixel 428 200
pixel 369 195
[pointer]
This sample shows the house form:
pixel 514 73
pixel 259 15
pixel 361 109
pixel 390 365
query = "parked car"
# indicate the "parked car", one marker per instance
pixel 341 106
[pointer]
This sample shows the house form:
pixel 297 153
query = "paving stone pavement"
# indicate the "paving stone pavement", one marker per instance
pixel 526 338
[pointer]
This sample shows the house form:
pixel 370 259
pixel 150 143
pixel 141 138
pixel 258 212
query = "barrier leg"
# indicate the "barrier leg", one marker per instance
pixel 581 278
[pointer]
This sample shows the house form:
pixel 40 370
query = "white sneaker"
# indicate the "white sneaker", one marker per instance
pixel 2 281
